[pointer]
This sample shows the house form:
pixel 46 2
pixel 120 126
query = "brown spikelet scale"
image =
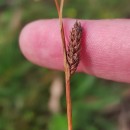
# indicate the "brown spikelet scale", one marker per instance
pixel 73 52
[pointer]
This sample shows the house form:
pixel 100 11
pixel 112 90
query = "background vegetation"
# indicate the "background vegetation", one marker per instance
pixel 25 88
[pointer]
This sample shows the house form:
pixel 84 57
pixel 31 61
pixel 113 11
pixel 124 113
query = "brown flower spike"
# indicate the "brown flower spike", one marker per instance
pixel 73 52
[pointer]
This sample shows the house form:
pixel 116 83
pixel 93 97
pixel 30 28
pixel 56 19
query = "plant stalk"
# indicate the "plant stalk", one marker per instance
pixel 68 97
pixel 66 66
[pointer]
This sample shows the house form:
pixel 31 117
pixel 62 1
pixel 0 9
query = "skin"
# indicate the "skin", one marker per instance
pixel 105 50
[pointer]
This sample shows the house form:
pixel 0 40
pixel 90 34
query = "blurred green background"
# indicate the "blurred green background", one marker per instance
pixel 33 98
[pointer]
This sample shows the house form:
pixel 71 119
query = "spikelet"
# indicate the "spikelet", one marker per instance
pixel 73 52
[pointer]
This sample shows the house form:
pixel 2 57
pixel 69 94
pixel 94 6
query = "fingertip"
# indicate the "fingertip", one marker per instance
pixel 105 49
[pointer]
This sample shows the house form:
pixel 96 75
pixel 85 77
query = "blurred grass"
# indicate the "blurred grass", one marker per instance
pixel 24 87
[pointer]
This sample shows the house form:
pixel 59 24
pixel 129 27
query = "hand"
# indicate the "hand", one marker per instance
pixel 105 47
